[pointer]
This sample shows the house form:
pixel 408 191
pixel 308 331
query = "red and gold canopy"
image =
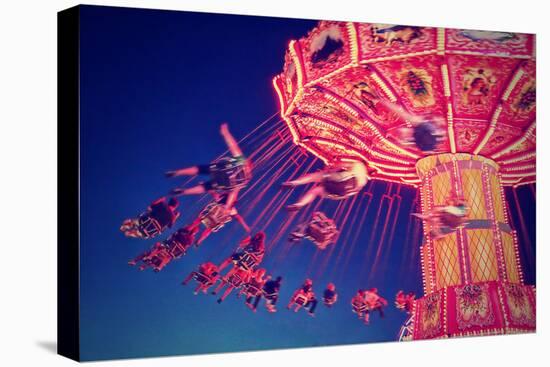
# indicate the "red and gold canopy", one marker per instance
pixel 482 83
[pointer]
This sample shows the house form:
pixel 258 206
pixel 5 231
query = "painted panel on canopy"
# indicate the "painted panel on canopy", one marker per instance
pixel 477 84
pixel 503 135
pixel 314 102
pixel 467 133
pixel 318 113
pixel 325 49
pixel 387 40
pixel 309 126
pixel 418 83
pixel 290 78
pixel 357 86
pixel 520 108
pixel 489 42
pixel 521 147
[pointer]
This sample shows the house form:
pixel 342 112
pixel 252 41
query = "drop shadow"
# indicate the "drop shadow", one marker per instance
pixel 50 346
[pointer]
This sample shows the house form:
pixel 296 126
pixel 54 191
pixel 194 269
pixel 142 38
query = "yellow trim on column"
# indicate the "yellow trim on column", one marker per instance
pixel 510 257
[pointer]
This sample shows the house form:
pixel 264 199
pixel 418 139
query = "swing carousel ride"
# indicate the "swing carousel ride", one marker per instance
pixel 449 113
pixel 332 95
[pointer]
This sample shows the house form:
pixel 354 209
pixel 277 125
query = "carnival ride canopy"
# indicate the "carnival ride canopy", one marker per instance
pixel 481 83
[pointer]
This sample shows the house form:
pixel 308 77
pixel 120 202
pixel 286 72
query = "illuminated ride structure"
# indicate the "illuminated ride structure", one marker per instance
pixel 483 85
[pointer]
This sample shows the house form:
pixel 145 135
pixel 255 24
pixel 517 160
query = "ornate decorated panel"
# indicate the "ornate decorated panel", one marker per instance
pixel 468 133
pixel 361 91
pixel 519 305
pixel 488 42
pixel 325 49
pixel 477 84
pixel 417 82
pixel 379 41
pixel 521 108
pixel 430 315
pixel 503 137
pixel 290 77
pixel 473 307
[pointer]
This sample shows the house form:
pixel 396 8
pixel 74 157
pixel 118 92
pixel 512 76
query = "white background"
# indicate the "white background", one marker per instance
pixel 28 181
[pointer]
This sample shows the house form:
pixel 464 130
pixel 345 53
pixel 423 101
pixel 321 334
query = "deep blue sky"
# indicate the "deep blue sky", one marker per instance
pixel 154 87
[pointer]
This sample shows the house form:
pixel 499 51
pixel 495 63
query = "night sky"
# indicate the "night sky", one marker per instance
pixel 155 85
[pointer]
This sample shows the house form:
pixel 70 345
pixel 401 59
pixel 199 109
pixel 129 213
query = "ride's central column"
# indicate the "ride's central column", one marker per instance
pixel 471 272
